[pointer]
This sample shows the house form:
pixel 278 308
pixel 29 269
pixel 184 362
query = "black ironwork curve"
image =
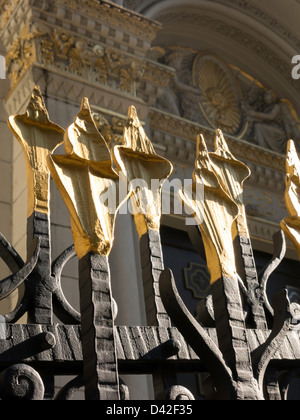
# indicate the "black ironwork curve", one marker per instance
pixel 279 253
pixel 9 255
pixel 12 282
pixel 281 325
pixel 62 308
pixel 196 336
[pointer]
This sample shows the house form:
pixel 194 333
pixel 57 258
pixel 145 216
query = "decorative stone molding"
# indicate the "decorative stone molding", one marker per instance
pixel 251 10
pixel 267 20
pixel 263 230
pixel 71 89
pixel 88 17
pixel 235 34
pixel 60 38
pixel 170 128
pixel 58 49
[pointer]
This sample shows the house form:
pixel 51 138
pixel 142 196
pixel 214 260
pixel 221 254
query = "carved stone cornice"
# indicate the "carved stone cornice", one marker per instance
pixel 114 15
pixel 86 17
pixel 60 38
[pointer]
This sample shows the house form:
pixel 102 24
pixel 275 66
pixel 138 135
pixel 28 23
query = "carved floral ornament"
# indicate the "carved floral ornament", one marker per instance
pixel 239 305
pixel 65 52
pixel 62 51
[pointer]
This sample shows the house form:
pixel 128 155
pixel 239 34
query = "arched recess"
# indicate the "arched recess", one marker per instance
pixel 262 49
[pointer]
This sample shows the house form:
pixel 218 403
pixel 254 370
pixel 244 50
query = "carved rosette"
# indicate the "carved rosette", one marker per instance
pixel 220 95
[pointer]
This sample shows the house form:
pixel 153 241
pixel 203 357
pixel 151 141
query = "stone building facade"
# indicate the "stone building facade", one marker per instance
pixel 189 67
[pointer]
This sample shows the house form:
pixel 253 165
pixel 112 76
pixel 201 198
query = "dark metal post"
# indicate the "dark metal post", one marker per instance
pixel 232 336
pixel 97 329
pixel 152 267
pixel 39 282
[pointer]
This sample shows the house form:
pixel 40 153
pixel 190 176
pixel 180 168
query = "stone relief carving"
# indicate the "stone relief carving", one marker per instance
pixel 210 92
pixel 21 54
pixel 60 50
pixel 273 126
pixel 220 94
pixel 90 60
pixel 110 127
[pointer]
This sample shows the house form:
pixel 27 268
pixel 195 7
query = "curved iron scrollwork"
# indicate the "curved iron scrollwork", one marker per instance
pixel 237 332
pixel 21 382
pixel 177 393
pixel 62 308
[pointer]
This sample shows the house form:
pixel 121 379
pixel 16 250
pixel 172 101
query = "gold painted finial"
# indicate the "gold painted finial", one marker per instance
pixel 292 194
pixel 38 137
pixel 82 138
pixel 232 174
pixel 215 214
pixel 291 225
pixel 202 157
pixel 85 178
pixel 145 172
pixel 134 136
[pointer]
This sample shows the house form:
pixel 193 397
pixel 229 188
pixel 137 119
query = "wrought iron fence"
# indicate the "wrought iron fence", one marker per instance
pixel 249 347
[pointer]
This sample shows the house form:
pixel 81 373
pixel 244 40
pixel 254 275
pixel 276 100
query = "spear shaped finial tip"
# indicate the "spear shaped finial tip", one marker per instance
pixel 85 104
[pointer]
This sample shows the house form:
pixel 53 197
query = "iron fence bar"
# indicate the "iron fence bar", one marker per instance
pixel 100 365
